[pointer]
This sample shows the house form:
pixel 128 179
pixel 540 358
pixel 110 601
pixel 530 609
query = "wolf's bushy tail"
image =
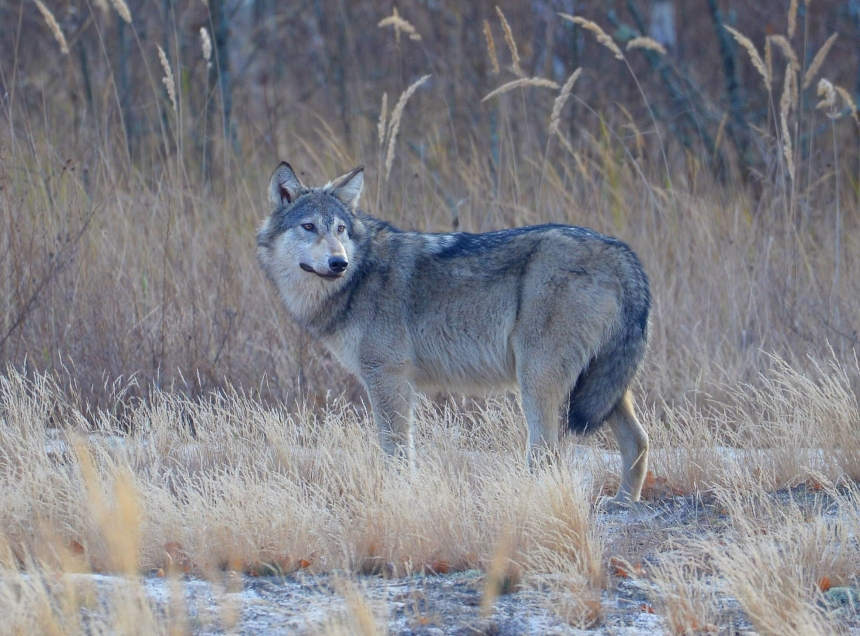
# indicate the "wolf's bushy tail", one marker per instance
pixel 602 384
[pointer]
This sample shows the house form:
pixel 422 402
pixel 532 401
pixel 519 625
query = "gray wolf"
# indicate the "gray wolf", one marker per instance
pixel 560 312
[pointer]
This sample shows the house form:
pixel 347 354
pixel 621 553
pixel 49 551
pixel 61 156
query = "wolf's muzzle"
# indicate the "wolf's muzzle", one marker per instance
pixel 338 264
pixel 335 273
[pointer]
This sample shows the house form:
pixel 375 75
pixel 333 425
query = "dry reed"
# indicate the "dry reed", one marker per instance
pixel 755 57
pixel 646 43
pixel 167 80
pixel 558 104
pixel 786 103
pixel 53 26
pixel 512 45
pixel 785 46
pixel 602 36
pixel 520 83
pixel 828 95
pixel 383 116
pixel 792 18
pixel 122 9
pixel 849 102
pixel 491 47
pixel 206 46
pixel 394 124
pixel 818 60
pixel 400 25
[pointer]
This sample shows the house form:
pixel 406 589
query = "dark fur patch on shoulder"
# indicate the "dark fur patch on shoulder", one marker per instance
pixel 466 244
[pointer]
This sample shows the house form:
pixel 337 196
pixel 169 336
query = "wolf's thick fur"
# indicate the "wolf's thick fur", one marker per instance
pixel 559 311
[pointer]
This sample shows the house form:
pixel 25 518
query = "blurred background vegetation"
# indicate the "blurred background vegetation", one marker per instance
pixel 137 138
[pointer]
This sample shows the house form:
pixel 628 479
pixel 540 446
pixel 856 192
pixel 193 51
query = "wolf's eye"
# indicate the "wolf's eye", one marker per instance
pixel 308 226
pixel 340 229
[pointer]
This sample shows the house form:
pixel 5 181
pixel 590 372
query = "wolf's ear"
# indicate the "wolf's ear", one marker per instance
pixel 347 188
pixel 285 186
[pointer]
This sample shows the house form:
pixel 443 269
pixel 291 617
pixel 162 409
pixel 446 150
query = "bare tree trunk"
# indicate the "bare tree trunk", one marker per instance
pixel 662 27
pixel 738 128
pixel 221 27
pixel 124 86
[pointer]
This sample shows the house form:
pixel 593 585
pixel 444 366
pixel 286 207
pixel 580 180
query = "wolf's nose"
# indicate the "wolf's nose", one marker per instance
pixel 337 264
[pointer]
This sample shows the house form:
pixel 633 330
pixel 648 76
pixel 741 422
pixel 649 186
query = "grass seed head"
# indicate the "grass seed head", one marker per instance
pixel 649 44
pixel 206 46
pixel 560 101
pixel 818 60
pixel 602 36
pixel 168 77
pixel 755 57
pixel 521 83
pixel 512 45
pixel 54 27
pixel 394 125
pixel 491 47
pixel 122 9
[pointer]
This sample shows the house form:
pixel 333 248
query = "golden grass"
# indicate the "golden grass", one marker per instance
pixel 649 44
pixel 520 83
pixel 122 9
pixel 755 56
pixel 400 25
pixel 53 26
pixel 818 60
pixel 786 104
pixel 135 306
pixel 602 37
pixel 260 489
pixel 491 47
pixel 512 44
pixel 558 104
pixel 785 46
pixel 394 123
pixel 168 80
pixel 792 18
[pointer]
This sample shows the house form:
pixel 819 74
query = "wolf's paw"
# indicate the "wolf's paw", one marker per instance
pixel 612 504
pixel 616 504
pixel 636 510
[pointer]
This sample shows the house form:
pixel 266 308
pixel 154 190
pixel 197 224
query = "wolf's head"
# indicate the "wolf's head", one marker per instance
pixel 307 244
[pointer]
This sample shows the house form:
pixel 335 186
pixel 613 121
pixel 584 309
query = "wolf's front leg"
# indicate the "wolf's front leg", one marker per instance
pixel 391 398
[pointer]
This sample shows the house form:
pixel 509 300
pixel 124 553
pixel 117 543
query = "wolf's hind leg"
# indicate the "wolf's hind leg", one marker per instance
pixel 542 408
pixel 391 398
pixel 633 444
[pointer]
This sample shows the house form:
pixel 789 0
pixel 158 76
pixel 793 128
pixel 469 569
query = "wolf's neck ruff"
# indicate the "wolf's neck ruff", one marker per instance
pixel 561 312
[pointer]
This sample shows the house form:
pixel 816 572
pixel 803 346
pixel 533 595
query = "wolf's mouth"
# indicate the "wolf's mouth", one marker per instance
pixel 330 275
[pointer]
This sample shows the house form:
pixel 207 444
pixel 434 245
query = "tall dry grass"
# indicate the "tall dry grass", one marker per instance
pixel 161 411
pixel 266 491
pixel 121 262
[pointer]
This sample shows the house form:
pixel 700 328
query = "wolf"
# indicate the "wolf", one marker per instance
pixel 560 312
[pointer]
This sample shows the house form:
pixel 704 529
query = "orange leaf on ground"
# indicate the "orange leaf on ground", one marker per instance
pixel 173 549
pixel 440 566
pixel 624 570
pixel 645 607
pixel 824 583
pixel 304 564
pixel 177 557
pixel 618 567
pixel 655 487
pixel 813 484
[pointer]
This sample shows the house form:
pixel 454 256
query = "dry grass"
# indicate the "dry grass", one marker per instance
pixel 82 497
pixel 161 412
